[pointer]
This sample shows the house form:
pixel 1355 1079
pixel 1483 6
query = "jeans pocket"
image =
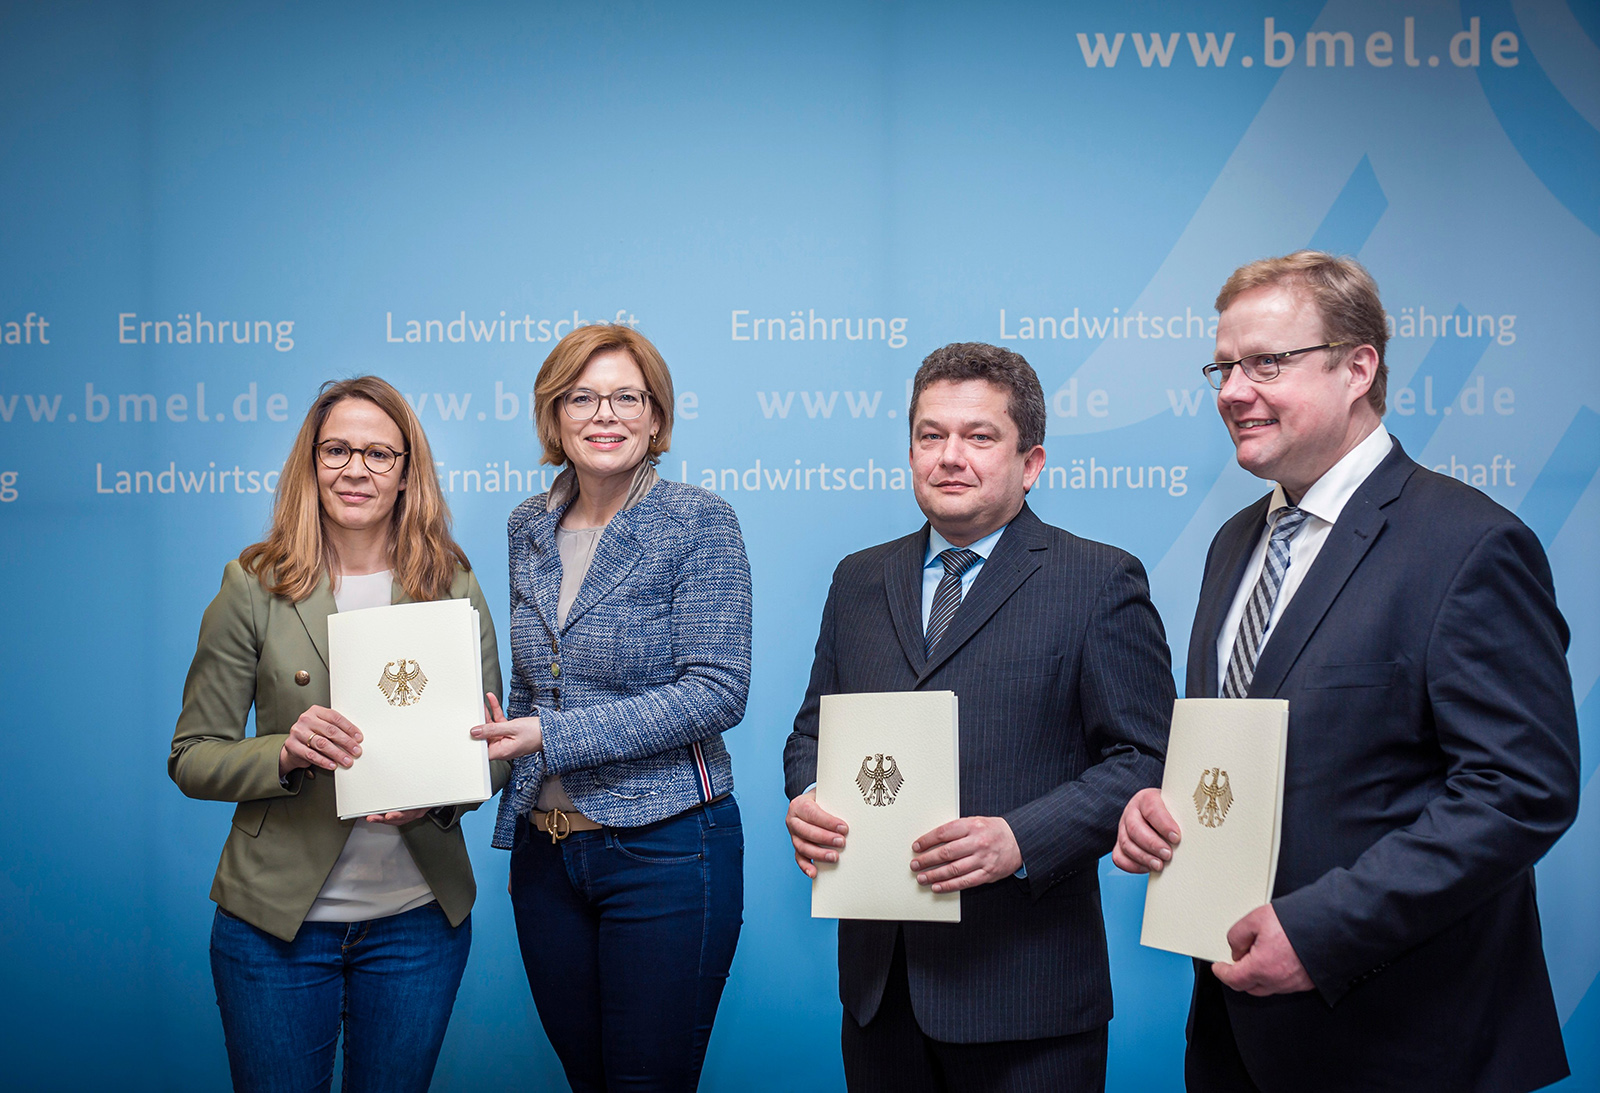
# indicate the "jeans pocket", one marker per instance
pixel 677 841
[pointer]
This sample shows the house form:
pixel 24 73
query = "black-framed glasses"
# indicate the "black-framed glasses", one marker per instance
pixel 627 403
pixel 377 458
pixel 1258 367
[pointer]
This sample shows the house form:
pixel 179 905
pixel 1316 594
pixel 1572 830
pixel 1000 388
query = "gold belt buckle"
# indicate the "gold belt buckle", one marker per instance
pixel 557 824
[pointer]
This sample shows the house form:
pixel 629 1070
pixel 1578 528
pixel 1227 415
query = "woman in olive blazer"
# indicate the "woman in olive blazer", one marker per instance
pixel 260 648
pixel 323 922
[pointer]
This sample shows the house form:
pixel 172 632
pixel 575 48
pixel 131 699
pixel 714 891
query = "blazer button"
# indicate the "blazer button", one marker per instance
pixel 555 696
pixel 303 678
pixel 553 648
pixel 555 669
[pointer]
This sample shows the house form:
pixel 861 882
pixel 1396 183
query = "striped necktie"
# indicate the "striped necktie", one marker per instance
pixel 947 597
pixel 1258 612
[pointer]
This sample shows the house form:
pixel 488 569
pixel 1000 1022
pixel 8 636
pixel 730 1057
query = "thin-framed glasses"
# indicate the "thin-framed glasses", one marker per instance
pixel 335 455
pixel 1258 367
pixel 627 403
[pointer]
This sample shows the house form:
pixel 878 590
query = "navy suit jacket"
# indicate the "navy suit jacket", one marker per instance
pixel 1433 759
pixel 1065 686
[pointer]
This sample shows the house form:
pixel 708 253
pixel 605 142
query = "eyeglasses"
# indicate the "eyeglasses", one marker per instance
pixel 1258 367
pixel 335 455
pixel 581 404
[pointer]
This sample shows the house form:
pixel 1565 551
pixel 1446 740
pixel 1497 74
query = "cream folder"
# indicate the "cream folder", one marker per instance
pixel 888 765
pixel 410 677
pixel 1224 785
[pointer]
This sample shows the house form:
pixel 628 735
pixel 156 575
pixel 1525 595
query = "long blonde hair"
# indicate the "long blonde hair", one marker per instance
pixel 292 559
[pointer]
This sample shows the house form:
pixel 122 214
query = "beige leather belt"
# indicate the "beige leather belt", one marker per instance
pixel 558 824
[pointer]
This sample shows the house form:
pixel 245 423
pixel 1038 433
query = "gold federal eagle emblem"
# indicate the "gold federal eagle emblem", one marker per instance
pixel 879 784
pixel 1212 801
pixel 402 682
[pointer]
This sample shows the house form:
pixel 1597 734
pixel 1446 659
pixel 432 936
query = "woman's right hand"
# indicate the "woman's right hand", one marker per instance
pixel 320 737
pixel 509 738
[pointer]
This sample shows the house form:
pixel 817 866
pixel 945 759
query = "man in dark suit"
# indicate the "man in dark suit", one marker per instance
pixel 1065 687
pixel 1433 745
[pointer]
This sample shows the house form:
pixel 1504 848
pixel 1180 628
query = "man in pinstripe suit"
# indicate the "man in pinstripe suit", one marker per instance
pixel 1066 692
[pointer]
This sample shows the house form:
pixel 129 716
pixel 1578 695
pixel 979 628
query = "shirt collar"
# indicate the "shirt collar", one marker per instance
pixel 565 487
pixel 938 544
pixel 1329 494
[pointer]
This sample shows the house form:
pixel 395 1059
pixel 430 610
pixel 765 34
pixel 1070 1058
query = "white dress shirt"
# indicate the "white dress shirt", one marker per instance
pixel 1324 501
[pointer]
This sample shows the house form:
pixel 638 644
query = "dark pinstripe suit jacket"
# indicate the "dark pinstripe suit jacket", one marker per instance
pixel 1065 682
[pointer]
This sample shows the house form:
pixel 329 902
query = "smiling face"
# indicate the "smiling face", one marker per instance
pixel 607 446
pixel 968 475
pixel 356 501
pixel 1292 429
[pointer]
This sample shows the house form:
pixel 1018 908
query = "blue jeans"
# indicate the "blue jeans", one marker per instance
pixel 391 982
pixel 627 935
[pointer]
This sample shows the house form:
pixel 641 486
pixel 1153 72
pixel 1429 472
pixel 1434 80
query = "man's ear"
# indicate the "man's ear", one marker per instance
pixel 1363 369
pixel 1032 466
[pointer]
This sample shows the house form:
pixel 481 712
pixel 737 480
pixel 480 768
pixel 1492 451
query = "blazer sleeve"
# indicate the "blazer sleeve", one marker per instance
pixel 212 758
pixel 711 657
pixel 1501 698
pixel 800 752
pixel 1125 695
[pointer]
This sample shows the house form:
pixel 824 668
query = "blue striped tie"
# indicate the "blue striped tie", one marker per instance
pixel 1258 612
pixel 947 597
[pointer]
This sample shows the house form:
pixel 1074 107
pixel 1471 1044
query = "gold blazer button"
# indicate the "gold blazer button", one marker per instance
pixel 303 678
pixel 555 668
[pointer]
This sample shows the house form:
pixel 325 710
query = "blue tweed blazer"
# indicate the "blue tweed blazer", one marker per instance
pixel 653 664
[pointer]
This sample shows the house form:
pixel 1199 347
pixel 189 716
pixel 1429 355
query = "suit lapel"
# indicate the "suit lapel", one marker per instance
pixel 1014 559
pixel 1347 544
pixel 614 558
pixel 314 611
pixel 538 566
pixel 902 580
pixel 1219 586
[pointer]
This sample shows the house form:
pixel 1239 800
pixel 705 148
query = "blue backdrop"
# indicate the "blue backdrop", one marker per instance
pixel 209 209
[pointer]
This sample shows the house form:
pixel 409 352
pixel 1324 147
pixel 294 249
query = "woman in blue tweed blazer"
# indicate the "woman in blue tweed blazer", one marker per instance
pixel 630 641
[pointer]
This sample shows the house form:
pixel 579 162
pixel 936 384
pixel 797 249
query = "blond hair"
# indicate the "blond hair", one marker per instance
pixel 292 559
pixel 567 361
pixel 1345 296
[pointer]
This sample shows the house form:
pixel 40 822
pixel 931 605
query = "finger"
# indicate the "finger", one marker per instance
pixel 807 808
pixel 805 865
pixel 1150 858
pixel 327 737
pixel 811 833
pixel 1228 975
pixel 944 833
pixel 337 720
pixel 965 880
pixel 1150 841
pixel 495 712
pixel 1130 859
pixel 1242 935
pixel 311 747
pixel 813 852
pixel 504 748
pixel 332 751
pixel 1153 812
pixel 933 856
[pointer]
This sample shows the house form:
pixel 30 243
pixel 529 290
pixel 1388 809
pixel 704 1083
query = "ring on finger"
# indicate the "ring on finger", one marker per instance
pixel 312 742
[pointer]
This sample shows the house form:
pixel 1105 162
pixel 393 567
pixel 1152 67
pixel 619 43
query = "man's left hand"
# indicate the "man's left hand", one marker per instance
pixel 1263 960
pixel 965 853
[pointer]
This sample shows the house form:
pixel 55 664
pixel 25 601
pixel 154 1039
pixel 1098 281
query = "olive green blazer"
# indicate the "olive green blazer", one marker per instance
pixel 256 648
